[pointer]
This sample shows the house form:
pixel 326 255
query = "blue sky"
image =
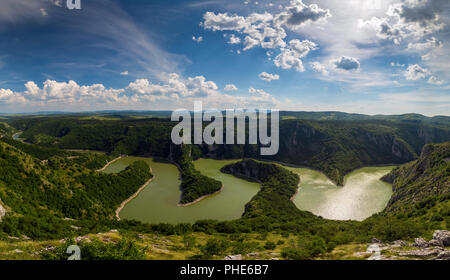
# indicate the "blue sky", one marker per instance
pixel 365 56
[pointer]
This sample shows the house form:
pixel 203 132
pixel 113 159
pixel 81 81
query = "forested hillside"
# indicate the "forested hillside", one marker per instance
pixel 336 146
pixel 419 183
pixel 39 194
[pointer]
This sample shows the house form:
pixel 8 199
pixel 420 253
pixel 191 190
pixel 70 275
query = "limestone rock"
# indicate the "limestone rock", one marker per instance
pixel 422 253
pixel 420 243
pixel 434 243
pixel 443 237
pixel 375 240
pixel 233 258
pixel 252 254
pixel 399 243
pixel 445 255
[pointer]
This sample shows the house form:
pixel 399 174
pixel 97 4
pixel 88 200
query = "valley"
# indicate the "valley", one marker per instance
pixel 362 195
pixel 66 177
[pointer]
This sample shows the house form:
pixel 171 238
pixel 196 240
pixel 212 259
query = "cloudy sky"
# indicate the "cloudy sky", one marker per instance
pixel 364 56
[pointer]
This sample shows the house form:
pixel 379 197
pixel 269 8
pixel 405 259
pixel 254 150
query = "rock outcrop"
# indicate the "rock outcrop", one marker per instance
pixel 2 211
pixel 442 237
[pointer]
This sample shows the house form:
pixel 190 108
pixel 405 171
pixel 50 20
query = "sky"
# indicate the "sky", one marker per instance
pixel 356 56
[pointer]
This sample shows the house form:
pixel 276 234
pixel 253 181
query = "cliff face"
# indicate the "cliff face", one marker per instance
pixel 335 147
pixel 426 177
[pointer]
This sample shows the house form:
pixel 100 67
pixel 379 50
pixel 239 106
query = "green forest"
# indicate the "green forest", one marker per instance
pixel 51 190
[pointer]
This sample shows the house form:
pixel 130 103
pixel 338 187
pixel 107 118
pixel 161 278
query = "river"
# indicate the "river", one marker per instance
pixel 362 195
pixel 157 203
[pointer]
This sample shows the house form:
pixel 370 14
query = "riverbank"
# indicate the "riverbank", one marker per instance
pixel 200 198
pixel 109 163
pixel 16 136
pixel 122 205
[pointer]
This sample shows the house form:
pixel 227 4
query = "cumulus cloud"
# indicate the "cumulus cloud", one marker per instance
pixel 197 39
pixel 173 92
pixel 268 77
pixel 124 73
pixel 319 67
pixel 410 18
pixel 230 87
pixel 297 14
pixel 290 57
pixel 415 72
pixel 435 81
pixel 346 63
pixel 383 29
pixel 428 44
pixel 396 64
pixel 233 40
pixel 268 30
pixel 43 12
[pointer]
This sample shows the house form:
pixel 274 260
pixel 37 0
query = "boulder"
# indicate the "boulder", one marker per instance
pixel 233 258
pixel 399 243
pixel 444 256
pixel 420 243
pixel 443 237
pixel 422 253
pixel 373 248
pixel 434 243
pixel 375 240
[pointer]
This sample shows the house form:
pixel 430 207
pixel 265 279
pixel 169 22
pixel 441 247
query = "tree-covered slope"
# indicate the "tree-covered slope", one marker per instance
pixel 335 144
pixel 420 180
pixel 194 185
pixel 39 194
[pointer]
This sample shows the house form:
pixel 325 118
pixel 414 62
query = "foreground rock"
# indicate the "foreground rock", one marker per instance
pixel 430 250
pixel 2 211
pixel 233 258
pixel 422 253
pixel 444 256
pixel 443 237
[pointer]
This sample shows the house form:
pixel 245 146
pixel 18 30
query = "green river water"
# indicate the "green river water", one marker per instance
pixel 362 195
pixel 157 203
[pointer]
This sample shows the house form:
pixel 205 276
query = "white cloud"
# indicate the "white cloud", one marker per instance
pixel 297 14
pixel 383 29
pixel 172 93
pixel 124 73
pixel 197 39
pixel 346 63
pixel 291 57
pixel 435 81
pixel 234 40
pixel 288 59
pixel 396 64
pixel 428 44
pixel 267 30
pixel 43 12
pixel 415 72
pixel 268 77
pixel 318 67
pixel 230 87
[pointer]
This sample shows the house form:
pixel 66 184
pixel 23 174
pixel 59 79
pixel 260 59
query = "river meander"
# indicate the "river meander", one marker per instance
pixel 362 195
